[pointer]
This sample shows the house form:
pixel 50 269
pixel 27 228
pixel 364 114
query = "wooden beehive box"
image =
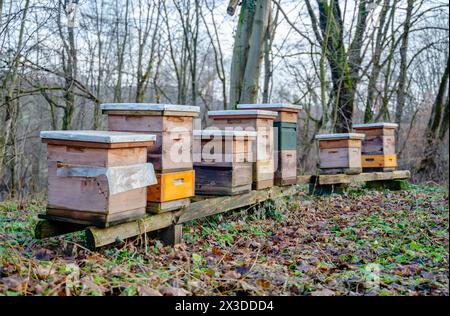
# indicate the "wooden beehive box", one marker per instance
pixel 172 125
pixel 172 186
pixel 96 177
pixel 225 161
pixel 287 113
pixel 340 153
pixel 378 151
pixel 215 145
pixel 285 139
pixel 260 121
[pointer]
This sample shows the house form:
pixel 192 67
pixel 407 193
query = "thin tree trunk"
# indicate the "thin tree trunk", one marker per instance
pixel 7 157
pixel 402 81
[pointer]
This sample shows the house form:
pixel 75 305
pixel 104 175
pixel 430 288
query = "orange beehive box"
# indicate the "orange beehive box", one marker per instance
pixel 172 186
pixel 378 147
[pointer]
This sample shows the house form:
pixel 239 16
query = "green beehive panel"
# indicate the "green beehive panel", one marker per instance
pixel 285 135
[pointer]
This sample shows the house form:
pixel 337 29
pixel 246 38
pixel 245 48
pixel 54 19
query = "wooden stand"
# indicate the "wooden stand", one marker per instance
pixel 168 225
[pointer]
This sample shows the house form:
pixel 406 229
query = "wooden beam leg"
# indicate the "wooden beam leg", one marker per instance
pixel 46 229
pixel 392 185
pixel 326 189
pixel 170 236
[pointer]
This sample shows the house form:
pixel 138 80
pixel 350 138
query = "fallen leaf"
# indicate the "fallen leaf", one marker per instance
pixel 144 290
pixel 323 292
pixel 174 291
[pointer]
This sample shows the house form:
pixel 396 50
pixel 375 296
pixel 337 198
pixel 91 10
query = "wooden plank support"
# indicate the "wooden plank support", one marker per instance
pixel 363 177
pixel 47 228
pixel 170 236
pixel 218 205
pixel 98 237
pixel 339 183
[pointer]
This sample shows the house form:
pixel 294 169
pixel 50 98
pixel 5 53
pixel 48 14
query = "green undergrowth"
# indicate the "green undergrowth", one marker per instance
pixel 363 242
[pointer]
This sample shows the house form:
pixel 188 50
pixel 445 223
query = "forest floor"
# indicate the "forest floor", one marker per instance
pixel 361 243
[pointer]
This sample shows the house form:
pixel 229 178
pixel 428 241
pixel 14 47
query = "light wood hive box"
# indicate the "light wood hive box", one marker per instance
pixel 97 178
pixel 340 153
pixel 224 164
pixel 172 125
pixel 285 139
pixel 378 151
pixel 260 121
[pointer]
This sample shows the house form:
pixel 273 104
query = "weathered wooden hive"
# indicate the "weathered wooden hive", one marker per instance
pixel 224 164
pixel 285 139
pixel 96 177
pixel 340 153
pixel 263 148
pixel 378 147
pixel 172 154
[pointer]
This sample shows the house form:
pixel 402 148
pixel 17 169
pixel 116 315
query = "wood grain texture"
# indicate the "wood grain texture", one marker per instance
pixel 363 177
pixel 98 237
pixel 219 180
pixel 286 165
pixel 218 205
pixel 46 228
pixel 263 170
pixel 340 143
pixel 335 158
pixel 98 157
pixel 97 145
pixel 288 117
pixel 92 218
pixel 90 194
pixel 378 145
pixel 156 208
pixel 379 161
pixel 376 131
pixel 150 124
pixel 172 186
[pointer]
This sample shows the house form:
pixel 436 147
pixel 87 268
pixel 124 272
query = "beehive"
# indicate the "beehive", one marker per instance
pixel 96 177
pixel 378 147
pixel 260 121
pixel 225 162
pixel 172 125
pixel 340 153
pixel 285 139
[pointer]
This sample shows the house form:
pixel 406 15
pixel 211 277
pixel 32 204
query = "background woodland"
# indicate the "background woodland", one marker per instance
pixel 345 62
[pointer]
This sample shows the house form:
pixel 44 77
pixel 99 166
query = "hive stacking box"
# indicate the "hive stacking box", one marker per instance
pixel 97 178
pixel 285 140
pixel 225 161
pixel 340 153
pixel 172 154
pixel 378 147
pixel 263 149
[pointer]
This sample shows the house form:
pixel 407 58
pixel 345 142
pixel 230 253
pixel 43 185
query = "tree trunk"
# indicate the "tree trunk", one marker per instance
pixel 250 84
pixel 7 158
pixel 240 51
pixel 376 66
pixel 437 124
pixel 401 89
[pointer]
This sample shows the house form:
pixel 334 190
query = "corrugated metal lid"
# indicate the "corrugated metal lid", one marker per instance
pixel 340 136
pixel 224 133
pixel 149 107
pixel 242 112
pixel 375 125
pixel 106 137
pixel 274 106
